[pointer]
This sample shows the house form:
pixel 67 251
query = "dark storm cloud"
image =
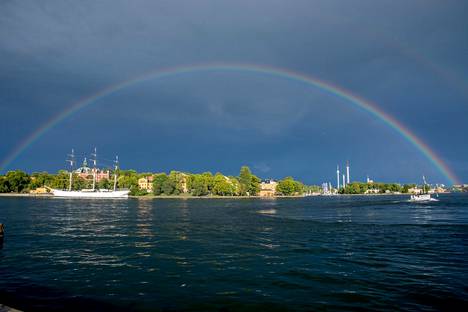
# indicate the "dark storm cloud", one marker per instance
pixel 406 56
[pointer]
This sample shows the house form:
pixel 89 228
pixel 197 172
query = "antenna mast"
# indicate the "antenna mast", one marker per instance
pixel 71 161
pixel 116 162
pixel 94 160
pixel 424 185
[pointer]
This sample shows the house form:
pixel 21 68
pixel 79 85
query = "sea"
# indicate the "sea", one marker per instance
pixel 337 253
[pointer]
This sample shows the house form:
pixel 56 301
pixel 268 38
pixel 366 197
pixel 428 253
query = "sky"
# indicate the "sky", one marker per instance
pixel 409 58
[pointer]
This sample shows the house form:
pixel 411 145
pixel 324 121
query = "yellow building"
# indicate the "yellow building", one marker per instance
pixel 268 188
pixel 414 190
pixel 40 190
pixel 146 183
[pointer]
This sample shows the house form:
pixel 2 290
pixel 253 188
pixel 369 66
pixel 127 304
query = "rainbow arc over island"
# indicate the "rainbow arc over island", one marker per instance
pixel 282 73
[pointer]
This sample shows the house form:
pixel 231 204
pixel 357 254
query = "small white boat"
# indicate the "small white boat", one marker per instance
pixel 421 197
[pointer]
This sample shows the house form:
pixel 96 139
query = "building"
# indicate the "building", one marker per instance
pixel 146 183
pixel 87 173
pixel 268 188
pixel 184 183
pixel 415 190
pixel 40 190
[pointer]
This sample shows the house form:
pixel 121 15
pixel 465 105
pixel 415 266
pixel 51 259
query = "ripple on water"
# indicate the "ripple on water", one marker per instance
pixel 302 254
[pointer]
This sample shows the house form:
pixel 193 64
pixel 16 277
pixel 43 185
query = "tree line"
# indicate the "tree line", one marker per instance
pixel 172 184
pixel 375 187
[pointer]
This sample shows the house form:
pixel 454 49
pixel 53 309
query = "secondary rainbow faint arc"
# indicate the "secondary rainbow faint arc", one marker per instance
pixel 252 68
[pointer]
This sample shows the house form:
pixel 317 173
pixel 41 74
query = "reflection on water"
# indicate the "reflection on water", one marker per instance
pixel 337 253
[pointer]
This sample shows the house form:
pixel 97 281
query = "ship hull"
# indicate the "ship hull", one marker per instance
pixel 422 198
pixel 95 194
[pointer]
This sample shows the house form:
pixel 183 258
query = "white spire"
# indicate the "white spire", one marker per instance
pixel 347 172
pixel 337 177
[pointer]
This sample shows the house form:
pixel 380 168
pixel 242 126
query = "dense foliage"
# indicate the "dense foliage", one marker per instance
pixel 363 188
pixel 206 183
pixel 172 184
pixel 184 184
pixel 289 187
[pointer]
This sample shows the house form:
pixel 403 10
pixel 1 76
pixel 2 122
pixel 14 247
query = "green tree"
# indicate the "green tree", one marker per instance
pixel 169 187
pixel 17 181
pixel 128 179
pixel 103 184
pixel 199 185
pixel 40 179
pixel 208 176
pixel 178 179
pixel 407 187
pixel 254 186
pixel 286 187
pixel 79 183
pixel 4 187
pixel 235 186
pixel 298 188
pixel 60 180
pixel 158 182
pixel 245 180
pixel 249 183
pixel 222 186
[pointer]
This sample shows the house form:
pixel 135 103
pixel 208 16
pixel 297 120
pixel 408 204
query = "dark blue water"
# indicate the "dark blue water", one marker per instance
pixel 336 253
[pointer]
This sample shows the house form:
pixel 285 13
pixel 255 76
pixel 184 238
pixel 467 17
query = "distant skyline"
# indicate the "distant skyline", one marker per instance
pixel 407 60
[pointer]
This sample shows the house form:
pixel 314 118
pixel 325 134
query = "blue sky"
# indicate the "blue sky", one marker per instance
pixel 407 57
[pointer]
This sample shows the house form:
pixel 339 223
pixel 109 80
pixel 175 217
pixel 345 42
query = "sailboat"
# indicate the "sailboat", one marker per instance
pixel 424 196
pixel 93 192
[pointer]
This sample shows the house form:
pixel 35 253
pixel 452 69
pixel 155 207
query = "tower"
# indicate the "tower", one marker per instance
pixel 337 177
pixel 347 172
pixel 344 181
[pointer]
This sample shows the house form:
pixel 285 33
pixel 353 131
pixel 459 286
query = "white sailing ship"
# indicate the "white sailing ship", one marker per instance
pixel 93 192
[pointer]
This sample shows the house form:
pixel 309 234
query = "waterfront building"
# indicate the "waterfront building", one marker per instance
pixel 268 188
pixel 40 190
pixel 86 172
pixel 146 183
pixel 415 190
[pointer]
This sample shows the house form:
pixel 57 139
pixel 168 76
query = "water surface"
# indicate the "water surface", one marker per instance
pixel 317 253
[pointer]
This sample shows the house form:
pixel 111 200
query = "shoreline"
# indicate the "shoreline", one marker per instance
pixel 150 197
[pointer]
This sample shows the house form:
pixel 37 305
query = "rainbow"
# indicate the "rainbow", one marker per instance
pixel 234 67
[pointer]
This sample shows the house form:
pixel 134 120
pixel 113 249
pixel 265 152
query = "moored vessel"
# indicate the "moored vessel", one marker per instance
pixel 93 192
pixel 424 196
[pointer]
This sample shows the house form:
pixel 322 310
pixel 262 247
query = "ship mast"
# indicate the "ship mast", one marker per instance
pixel 424 185
pixel 94 160
pixel 71 161
pixel 116 162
